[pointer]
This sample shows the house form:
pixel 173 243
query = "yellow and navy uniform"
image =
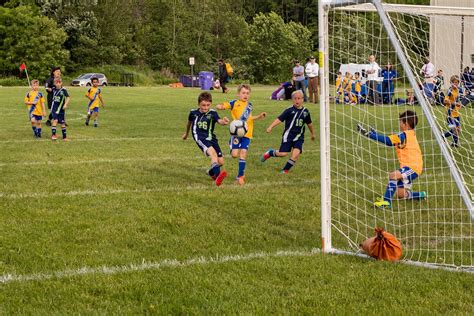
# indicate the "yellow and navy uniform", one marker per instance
pixel 38 99
pixel 93 95
pixel 408 150
pixel 241 110
pixel 452 102
pixel 339 88
pixel 347 84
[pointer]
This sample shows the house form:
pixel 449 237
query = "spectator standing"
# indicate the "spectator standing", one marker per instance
pixel 312 71
pixel 438 86
pixel 55 73
pixel 372 79
pixel 222 75
pixel 467 79
pixel 388 85
pixel 298 78
pixel 428 73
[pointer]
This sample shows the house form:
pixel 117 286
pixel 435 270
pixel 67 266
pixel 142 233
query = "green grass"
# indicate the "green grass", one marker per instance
pixel 132 192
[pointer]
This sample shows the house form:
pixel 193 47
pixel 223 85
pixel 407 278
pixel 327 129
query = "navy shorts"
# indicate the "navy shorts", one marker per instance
pixel 96 110
pixel 287 146
pixel 454 122
pixel 37 117
pixel 239 143
pixel 205 144
pixel 59 116
pixel 408 176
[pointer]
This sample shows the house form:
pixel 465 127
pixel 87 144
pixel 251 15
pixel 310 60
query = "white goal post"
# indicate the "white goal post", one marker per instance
pixel 438 232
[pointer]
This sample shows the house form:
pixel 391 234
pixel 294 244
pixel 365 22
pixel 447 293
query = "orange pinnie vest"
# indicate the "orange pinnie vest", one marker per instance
pixel 409 153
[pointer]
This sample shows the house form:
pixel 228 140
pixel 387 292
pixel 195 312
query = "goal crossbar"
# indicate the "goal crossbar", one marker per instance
pixel 409 9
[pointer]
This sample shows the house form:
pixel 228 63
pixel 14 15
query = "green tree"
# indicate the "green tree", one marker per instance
pixel 273 45
pixel 26 36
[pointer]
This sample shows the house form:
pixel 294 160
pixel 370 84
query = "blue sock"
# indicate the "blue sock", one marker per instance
pixel 53 130
pixel 95 123
pixel 415 195
pixel 448 134
pixel 455 138
pixel 272 152
pixel 34 130
pixel 242 163
pixel 290 163
pixel 215 169
pixel 64 132
pixel 38 131
pixel 391 188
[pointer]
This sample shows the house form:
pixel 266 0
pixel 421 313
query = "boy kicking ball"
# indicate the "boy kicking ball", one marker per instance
pixel 295 118
pixel 203 121
pixel 410 158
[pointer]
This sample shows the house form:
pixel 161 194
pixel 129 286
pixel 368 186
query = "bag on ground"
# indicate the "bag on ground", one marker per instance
pixel 383 246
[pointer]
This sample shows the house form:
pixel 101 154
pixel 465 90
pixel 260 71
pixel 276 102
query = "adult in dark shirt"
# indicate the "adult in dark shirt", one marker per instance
pixel 223 76
pixel 55 73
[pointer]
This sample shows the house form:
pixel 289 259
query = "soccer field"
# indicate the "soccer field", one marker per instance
pixel 122 219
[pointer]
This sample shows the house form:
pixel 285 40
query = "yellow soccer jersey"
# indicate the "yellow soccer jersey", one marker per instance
pixel 338 85
pixel 93 95
pixel 452 102
pixel 37 98
pixel 408 150
pixel 347 84
pixel 241 110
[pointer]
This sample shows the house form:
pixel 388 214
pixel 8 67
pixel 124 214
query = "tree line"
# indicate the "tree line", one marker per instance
pixel 260 38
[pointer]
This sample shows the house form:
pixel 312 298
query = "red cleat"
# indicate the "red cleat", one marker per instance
pixel 221 177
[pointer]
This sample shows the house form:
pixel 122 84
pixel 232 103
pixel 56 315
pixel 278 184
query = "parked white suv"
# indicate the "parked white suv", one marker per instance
pixel 85 80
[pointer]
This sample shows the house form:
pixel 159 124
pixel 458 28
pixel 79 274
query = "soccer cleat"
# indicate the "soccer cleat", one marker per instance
pixel 454 144
pixel 48 123
pixel 265 156
pixel 422 195
pixel 221 177
pixel 240 180
pixel 54 137
pixel 284 171
pixel 381 203
pixel 66 139
pixel 87 123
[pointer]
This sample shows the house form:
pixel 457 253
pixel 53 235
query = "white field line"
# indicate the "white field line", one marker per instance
pixel 89 139
pixel 148 266
pixel 196 187
pixel 119 160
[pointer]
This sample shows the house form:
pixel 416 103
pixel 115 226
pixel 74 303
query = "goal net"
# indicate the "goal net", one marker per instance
pixel 438 230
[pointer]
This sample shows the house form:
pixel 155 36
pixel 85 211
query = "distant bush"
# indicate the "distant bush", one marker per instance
pixel 13 81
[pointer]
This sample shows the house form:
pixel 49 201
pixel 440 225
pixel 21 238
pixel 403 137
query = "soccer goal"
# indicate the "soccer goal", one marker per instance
pixel 416 41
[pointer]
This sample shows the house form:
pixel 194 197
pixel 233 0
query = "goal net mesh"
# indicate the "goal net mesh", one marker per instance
pixel 437 230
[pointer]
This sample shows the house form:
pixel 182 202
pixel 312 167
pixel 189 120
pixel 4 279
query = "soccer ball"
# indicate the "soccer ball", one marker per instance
pixel 238 128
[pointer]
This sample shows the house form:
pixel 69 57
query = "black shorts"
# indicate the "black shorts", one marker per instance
pixel 205 144
pixel 287 146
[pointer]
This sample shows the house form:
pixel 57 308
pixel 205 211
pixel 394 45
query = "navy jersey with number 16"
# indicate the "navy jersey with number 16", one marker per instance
pixel 295 120
pixel 203 124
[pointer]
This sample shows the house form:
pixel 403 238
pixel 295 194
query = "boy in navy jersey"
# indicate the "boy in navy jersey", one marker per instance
pixel 58 107
pixel 203 121
pixel 295 118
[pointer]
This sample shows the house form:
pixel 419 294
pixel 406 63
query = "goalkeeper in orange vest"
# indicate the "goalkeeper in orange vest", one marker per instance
pixel 410 158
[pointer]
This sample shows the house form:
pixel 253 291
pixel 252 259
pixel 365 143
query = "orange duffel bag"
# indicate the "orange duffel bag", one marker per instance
pixel 383 246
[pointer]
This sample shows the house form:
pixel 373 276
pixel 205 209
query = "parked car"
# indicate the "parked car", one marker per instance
pixel 84 80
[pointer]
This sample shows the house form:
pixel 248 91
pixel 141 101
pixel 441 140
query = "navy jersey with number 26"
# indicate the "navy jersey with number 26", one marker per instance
pixel 295 120
pixel 203 124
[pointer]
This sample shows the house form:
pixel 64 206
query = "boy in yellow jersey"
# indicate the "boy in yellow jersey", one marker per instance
pixel 339 89
pixel 356 88
pixel 453 104
pixel 95 96
pixel 35 101
pixel 347 87
pixel 241 109
pixel 410 158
